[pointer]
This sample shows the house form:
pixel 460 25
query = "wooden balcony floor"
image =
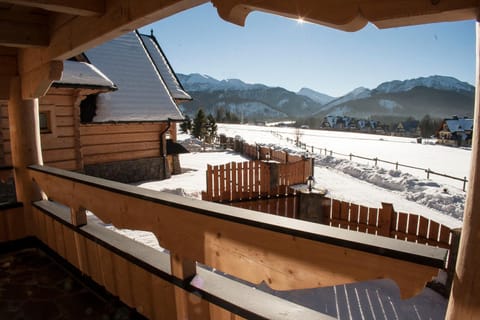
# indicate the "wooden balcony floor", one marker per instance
pixel 33 285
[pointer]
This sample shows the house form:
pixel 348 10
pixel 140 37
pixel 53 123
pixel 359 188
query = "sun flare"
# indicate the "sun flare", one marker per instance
pixel 300 21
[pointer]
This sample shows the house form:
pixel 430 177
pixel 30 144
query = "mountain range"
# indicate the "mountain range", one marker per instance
pixel 438 96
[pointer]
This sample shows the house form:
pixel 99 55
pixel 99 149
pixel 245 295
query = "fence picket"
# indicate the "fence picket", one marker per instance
pixel 412 227
pixel 422 230
pixel 363 219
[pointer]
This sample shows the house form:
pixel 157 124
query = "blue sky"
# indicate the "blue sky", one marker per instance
pixel 277 51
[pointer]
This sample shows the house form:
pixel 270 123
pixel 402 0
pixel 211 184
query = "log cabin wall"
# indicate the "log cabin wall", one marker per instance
pixel 125 152
pixel 59 129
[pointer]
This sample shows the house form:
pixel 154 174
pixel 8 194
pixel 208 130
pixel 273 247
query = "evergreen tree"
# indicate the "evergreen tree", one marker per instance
pixel 186 125
pixel 211 129
pixel 199 125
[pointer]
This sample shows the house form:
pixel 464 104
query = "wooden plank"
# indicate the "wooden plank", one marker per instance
pixel 235 194
pixel 433 233
pixel 107 129
pixel 372 220
pixel 402 226
pixel 58 155
pixel 216 192
pixel 412 227
pixel 66 164
pixel 354 216
pixel 250 179
pixel 385 217
pixel 422 230
pixel 363 219
pixel 209 192
pixel 64 121
pixel 93 261
pixel 60 239
pixel 52 142
pixel 103 158
pixel 123 280
pixel 228 181
pixel 119 138
pixel 163 294
pixel 221 177
pixel 141 287
pixel 445 235
pixel 119 147
pixel 107 269
pixel 344 214
pixel 13 221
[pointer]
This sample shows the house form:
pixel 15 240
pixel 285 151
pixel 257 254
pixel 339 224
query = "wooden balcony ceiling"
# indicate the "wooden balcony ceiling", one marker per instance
pixel 67 26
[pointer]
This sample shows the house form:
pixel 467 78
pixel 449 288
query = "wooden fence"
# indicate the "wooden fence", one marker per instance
pixel 383 221
pixel 286 206
pixel 253 179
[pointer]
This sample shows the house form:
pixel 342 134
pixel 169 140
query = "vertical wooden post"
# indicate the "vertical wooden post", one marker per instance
pixel 465 293
pixel 24 126
pixel 187 304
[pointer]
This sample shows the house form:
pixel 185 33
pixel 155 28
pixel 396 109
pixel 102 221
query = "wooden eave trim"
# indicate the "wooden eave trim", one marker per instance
pixel 82 33
pixel 353 15
pixel 73 7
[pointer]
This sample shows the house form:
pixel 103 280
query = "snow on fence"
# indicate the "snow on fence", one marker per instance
pixel 253 179
pixel 313 150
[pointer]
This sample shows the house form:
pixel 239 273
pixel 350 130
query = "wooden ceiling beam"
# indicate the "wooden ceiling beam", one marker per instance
pixel 35 83
pixel 353 15
pixel 73 7
pixel 22 29
pixel 83 33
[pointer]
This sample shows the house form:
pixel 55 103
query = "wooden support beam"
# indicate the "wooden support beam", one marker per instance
pixel 25 143
pixel 73 7
pixel 82 33
pixel 465 293
pixel 35 83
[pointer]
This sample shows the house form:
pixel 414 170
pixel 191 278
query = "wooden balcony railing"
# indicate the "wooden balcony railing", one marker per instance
pixel 287 254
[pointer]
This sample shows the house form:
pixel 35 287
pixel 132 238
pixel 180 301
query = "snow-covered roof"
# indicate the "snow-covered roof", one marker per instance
pixel 459 125
pixel 142 94
pixel 163 66
pixel 81 74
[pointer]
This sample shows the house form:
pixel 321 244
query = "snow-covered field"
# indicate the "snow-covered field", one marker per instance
pixel 360 183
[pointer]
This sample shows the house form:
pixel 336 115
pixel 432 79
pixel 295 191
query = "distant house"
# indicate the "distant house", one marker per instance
pixel 113 113
pixel 456 131
pixel 409 128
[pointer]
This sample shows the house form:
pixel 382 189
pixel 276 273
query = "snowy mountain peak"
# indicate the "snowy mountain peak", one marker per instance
pixel 201 82
pixel 315 95
pixel 358 93
pixel 435 82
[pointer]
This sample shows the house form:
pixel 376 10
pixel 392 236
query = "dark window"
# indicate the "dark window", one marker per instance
pixel 88 108
pixel 45 122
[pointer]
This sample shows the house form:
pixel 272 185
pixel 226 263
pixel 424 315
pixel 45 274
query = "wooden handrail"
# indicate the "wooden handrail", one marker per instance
pixel 287 254
pixel 226 293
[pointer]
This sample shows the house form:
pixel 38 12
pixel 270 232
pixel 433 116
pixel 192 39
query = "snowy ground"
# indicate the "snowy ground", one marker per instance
pixel 346 180
pixel 350 181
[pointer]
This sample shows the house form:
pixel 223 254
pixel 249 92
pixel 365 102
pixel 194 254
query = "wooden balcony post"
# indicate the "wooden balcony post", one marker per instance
pixel 25 142
pixel 465 293
pixel 188 305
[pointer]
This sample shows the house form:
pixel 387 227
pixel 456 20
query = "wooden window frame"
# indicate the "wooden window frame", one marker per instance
pixel 49 111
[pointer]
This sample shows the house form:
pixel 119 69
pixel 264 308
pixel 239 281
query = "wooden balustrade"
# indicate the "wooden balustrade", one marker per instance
pixel 287 254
